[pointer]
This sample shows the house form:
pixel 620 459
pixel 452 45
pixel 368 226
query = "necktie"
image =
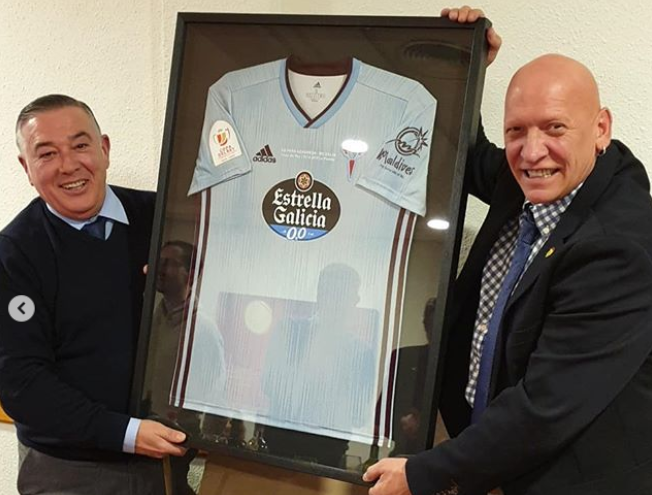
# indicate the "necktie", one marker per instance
pixel 96 228
pixel 527 234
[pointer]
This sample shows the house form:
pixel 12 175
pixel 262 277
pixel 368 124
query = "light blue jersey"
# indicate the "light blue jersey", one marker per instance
pixel 309 185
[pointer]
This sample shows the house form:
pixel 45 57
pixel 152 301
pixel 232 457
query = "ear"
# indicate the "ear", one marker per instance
pixel 106 147
pixel 23 163
pixel 603 129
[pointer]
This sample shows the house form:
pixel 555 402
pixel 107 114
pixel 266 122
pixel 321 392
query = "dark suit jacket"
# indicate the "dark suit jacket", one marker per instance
pixel 571 389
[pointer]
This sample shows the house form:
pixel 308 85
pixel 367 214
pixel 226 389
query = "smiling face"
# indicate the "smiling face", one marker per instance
pixel 554 127
pixel 66 159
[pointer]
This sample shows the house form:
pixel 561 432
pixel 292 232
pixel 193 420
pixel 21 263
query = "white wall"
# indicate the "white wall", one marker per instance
pixel 8 459
pixel 116 55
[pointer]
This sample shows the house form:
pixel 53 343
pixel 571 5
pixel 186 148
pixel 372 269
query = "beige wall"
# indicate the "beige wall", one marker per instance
pixel 115 55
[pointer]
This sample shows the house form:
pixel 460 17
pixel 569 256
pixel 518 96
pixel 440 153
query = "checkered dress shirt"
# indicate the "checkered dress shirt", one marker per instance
pixel 546 218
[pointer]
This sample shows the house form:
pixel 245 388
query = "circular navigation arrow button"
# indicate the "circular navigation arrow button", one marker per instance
pixel 21 308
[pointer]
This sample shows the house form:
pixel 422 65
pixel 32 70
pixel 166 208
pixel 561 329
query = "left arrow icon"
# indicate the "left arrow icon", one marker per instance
pixel 21 308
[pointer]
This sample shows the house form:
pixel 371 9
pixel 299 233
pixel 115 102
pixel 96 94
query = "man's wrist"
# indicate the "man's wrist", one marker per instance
pixel 129 444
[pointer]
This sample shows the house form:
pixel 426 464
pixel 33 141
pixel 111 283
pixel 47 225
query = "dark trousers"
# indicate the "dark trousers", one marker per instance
pixel 43 474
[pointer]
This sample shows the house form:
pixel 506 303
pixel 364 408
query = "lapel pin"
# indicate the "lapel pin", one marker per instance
pixel 550 252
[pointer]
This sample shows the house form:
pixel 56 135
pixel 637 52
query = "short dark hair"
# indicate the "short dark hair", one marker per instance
pixel 188 252
pixel 51 102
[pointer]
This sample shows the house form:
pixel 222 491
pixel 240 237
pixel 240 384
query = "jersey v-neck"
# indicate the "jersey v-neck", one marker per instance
pixel 350 67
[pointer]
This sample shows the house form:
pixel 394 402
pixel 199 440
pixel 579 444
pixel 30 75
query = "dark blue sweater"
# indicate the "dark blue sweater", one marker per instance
pixel 65 375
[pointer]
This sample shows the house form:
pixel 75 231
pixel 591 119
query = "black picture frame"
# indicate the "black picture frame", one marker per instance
pixel 445 57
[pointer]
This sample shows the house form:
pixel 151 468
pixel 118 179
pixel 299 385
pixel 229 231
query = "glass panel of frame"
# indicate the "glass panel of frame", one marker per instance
pixel 296 293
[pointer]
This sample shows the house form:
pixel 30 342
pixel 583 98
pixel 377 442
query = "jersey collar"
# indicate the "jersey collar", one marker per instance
pixel 350 66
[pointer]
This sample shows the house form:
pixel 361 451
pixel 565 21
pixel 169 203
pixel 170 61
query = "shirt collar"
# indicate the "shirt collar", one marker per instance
pixel 112 209
pixel 546 216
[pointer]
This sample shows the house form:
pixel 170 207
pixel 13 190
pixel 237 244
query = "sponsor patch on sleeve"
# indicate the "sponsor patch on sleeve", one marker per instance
pixel 397 158
pixel 223 143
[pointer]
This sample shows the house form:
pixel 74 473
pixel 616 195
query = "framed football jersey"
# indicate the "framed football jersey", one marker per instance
pixel 307 220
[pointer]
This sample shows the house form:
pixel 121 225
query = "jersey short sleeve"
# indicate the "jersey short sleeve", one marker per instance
pixel 398 171
pixel 222 155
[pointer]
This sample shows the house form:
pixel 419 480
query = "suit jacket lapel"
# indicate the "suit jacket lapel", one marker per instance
pixel 571 219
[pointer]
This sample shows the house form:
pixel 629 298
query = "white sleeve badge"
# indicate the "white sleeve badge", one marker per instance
pixel 223 143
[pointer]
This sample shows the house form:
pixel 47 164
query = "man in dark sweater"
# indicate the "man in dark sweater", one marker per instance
pixel 77 252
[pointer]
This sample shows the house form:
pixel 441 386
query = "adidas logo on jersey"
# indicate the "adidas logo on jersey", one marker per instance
pixel 265 155
pixel 317 86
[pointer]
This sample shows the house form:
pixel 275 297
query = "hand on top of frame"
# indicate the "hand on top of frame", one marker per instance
pixel 466 14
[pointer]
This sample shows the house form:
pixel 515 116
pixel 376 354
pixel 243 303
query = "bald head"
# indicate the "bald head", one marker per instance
pixel 554 127
pixel 557 73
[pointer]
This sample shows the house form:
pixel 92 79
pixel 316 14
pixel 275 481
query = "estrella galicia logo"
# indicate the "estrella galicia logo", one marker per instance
pixel 410 141
pixel 301 208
